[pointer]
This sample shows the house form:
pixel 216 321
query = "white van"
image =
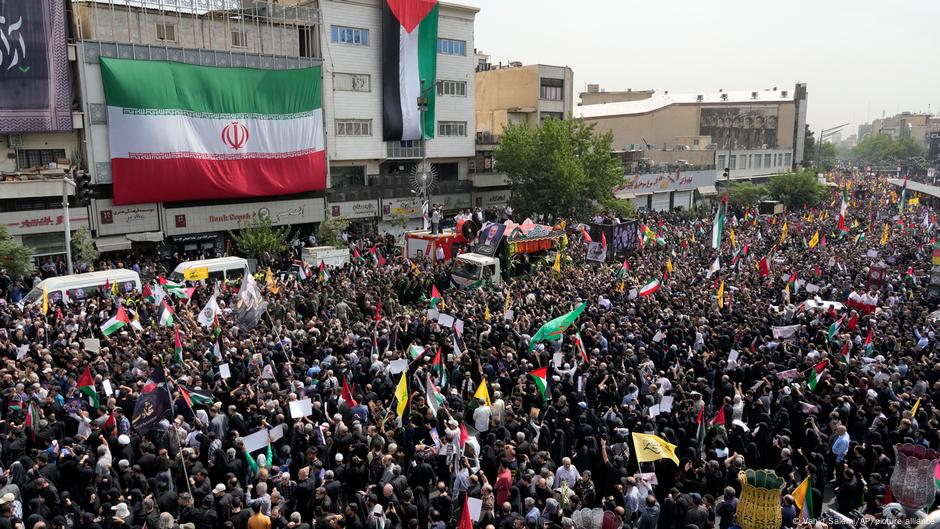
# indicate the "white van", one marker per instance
pixel 229 268
pixel 77 287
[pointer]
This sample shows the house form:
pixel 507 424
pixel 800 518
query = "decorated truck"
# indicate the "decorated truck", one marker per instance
pixel 496 245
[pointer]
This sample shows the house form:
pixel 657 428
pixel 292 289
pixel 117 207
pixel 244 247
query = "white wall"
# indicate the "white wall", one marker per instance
pixel 457 25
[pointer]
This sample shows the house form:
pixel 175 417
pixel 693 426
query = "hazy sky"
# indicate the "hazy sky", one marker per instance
pixel 858 57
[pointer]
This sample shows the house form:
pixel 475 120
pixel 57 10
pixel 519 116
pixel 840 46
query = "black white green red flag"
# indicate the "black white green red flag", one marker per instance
pixel 409 68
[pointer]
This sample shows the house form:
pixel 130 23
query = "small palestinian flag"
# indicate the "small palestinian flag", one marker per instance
pixel 579 345
pixel 540 376
pixel 86 384
pixel 116 323
pixel 147 293
pixel 835 327
pixel 844 355
pixel 323 275
pixel 32 418
pixel 195 397
pixel 166 315
pixel 414 351
pixel 433 395
pixel 719 419
pixel 869 345
pixel 909 276
pixel 346 394
pixel 378 311
pixel 814 373
pixel 177 348
pixel 436 298
pixel 623 269
pixel 438 365
pixel 649 288
pixel 700 427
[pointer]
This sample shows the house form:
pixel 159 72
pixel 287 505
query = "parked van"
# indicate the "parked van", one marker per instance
pixel 228 268
pixel 77 287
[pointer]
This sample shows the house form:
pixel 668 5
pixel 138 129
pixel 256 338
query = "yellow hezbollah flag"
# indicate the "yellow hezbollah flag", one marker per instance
pixel 914 201
pixel 401 393
pixel 486 313
pixel 506 305
pixel 653 448
pixel 721 295
pixel 196 274
pixel 483 393
pixel 45 300
pixel 884 236
pixel 557 266
pixel 815 240
pixel 731 236
pixel 669 266
pixel 783 233
pixel 915 408
pixel 269 279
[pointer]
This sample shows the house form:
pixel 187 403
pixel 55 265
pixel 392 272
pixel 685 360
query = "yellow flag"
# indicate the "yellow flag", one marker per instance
pixel 731 236
pixel 486 313
pixel 45 300
pixel 269 279
pixel 811 214
pixel 483 393
pixel 506 305
pixel 721 295
pixel 196 274
pixel 114 289
pixel 915 408
pixel 693 236
pixel 653 448
pixel 401 393
pixel 815 240
pixel 557 266
pixel 783 233
pixel 799 494
pixel 914 201
pixel 669 266
pixel 884 236
pixel 621 287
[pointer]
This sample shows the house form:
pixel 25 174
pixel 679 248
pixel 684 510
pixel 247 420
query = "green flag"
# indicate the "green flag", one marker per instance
pixel 555 328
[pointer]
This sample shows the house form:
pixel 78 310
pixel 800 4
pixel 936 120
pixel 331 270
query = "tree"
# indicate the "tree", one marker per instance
pixel 330 229
pixel 745 194
pixel 619 207
pixel 15 259
pixel 796 190
pixel 563 168
pixel 809 147
pixel 86 252
pixel 827 155
pixel 883 148
pixel 258 237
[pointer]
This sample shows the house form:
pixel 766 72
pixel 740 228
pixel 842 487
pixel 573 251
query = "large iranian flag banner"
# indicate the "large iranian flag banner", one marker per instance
pixel 185 132
pixel 409 67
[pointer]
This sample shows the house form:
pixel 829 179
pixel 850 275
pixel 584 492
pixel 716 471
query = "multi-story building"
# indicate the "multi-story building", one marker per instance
pixel 674 145
pixel 914 125
pixel 513 94
pixel 369 180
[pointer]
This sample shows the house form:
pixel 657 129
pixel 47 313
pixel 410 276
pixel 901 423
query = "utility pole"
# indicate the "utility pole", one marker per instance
pixel 66 181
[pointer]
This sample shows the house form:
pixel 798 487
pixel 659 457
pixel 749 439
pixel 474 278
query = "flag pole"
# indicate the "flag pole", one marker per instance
pixel 178 440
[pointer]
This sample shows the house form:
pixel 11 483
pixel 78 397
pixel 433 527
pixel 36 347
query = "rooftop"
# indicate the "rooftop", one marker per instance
pixel 661 100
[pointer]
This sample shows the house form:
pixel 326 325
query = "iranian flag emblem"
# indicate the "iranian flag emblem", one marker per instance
pixel 409 68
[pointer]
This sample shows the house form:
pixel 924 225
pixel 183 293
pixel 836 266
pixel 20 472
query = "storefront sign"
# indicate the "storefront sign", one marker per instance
pixel 357 209
pixel 115 220
pixel 43 220
pixel 674 181
pixel 203 219
pixel 491 199
pixel 401 208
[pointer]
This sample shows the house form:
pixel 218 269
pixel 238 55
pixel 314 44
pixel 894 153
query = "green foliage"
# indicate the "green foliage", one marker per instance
pixel 330 229
pixel 884 148
pixel 563 168
pixel 619 207
pixel 745 194
pixel 796 190
pixel 15 259
pixel 84 248
pixel 258 238
pixel 827 155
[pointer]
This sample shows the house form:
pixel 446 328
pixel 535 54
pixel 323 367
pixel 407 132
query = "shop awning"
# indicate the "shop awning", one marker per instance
pixel 624 195
pixel 707 190
pixel 147 236
pixel 113 243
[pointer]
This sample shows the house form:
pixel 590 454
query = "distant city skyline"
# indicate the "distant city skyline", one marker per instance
pixel 859 58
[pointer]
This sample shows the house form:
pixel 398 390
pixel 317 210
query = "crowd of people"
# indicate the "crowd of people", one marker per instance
pixel 709 342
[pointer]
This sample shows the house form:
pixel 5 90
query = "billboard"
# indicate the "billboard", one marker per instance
pixel 34 67
pixel 750 127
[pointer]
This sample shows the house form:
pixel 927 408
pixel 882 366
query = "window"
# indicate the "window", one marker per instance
pixel 166 32
pixel 353 127
pixel 307 41
pixel 787 158
pixel 695 142
pixel 349 36
pixel 239 38
pixel 721 161
pixel 767 160
pixel 347 175
pixel 352 82
pixel 551 115
pixel 29 158
pixel 451 47
pixel 733 164
pixel 552 89
pixel 452 88
pixel 451 128
pixel 756 163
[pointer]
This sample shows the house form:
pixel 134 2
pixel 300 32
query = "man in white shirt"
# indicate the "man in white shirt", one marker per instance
pixel 567 472
pixel 481 417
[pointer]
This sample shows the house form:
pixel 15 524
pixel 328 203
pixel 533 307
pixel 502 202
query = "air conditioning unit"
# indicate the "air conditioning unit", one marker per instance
pixel 783 93
pixel 724 97
pixel 15 140
pixel 700 98
pixel 753 95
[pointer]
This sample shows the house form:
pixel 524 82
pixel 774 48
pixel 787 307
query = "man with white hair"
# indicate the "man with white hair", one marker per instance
pixel 568 472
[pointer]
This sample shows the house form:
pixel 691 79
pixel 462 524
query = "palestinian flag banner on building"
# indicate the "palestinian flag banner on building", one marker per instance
pixel 409 68
pixel 186 132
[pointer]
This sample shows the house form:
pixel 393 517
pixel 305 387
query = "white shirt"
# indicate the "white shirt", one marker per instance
pixel 571 474
pixel 481 418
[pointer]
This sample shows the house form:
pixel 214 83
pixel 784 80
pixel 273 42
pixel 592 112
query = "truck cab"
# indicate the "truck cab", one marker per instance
pixel 474 269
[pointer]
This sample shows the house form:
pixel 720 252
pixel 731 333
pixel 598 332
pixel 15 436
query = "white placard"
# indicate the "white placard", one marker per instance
pixel 660 335
pixel 458 327
pixel 788 374
pixel 654 410
pixel 665 405
pixel 476 506
pixel 446 320
pixel 433 314
pixel 21 351
pixel 301 408
pixel 224 371
pixel 871 253
pixel 810 288
pixel 277 432
pixel 508 315
pixel 92 345
pixel 256 441
pixel 633 294
pixel 557 359
pixel 733 357
pixel 108 390
pixel 397 366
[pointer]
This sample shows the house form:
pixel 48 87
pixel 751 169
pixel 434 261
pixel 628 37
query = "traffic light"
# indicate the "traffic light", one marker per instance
pixel 726 174
pixel 83 189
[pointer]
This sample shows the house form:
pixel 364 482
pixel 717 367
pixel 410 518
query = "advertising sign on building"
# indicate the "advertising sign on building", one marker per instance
pixel 34 68
pixel 451 202
pixel 43 220
pixel 672 181
pixel 116 220
pixel 356 209
pixel 491 199
pixel 401 208
pixel 204 219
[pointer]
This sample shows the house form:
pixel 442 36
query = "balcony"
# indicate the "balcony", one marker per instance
pixel 403 150
pixel 487 138
pixel 16 186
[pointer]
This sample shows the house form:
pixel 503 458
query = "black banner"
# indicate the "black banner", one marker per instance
pixel 151 408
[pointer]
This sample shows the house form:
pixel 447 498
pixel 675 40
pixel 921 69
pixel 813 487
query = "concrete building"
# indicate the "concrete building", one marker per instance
pixel 914 125
pixel 369 180
pixel 754 133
